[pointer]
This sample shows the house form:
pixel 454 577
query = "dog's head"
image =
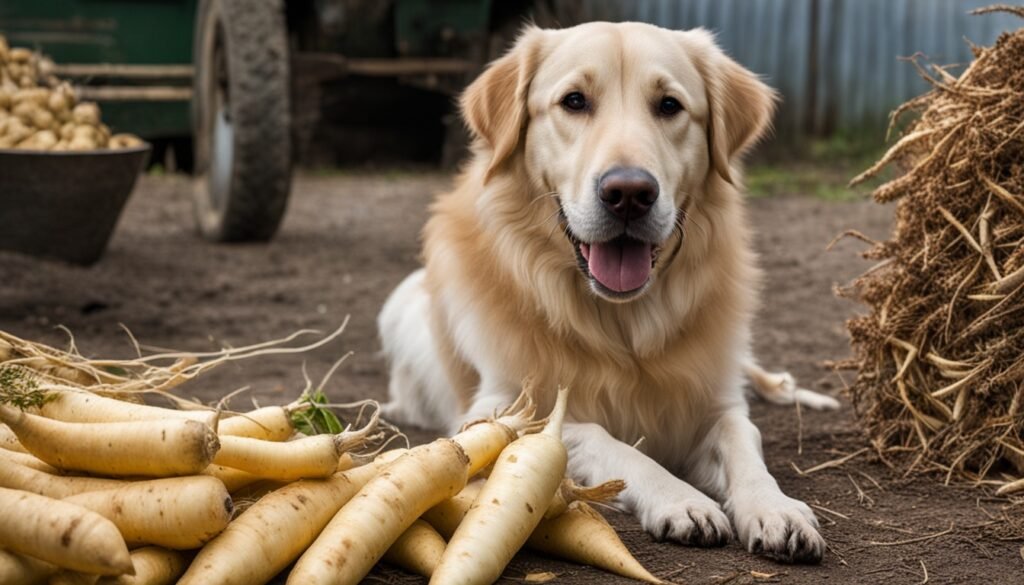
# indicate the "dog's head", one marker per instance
pixel 624 125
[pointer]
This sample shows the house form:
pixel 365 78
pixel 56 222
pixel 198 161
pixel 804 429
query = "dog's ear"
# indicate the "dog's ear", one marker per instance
pixel 740 106
pixel 494 106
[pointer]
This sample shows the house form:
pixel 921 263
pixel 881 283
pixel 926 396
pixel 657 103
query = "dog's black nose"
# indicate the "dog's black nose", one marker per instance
pixel 628 192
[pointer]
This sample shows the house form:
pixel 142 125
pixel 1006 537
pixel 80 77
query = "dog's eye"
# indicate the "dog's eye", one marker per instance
pixel 669 107
pixel 575 101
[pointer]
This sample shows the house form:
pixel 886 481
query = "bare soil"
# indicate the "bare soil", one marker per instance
pixel 349 239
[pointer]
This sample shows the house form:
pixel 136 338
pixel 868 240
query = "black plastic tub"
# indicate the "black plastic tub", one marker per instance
pixel 65 205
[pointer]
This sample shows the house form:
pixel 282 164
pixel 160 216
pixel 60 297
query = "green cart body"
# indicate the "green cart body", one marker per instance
pixel 227 73
pixel 152 37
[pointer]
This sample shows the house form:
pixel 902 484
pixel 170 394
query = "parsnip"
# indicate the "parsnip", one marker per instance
pixel 28 460
pixel 71 405
pixel 9 441
pixel 17 476
pixel 307 457
pixel 153 566
pixel 61 533
pixel 446 516
pixel 362 531
pixel 511 504
pixel 66 577
pixel 157 448
pixel 418 550
pixel 577 534
pixel 233 479
pixel 583 536
pixel 280 526
pixel 178 513
pixel 23 570
pixel 304 458
pixel 270 423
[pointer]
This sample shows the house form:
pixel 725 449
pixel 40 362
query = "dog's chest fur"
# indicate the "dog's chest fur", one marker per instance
pixel 651 369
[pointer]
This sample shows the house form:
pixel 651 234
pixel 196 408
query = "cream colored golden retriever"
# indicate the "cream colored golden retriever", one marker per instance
pixel 597 240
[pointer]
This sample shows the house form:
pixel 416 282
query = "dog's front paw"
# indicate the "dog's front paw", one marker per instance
pixel 691 521
pixel 779 527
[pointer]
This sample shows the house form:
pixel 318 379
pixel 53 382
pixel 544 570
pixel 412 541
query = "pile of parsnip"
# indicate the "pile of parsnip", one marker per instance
pixel 97 489
pixel 40 112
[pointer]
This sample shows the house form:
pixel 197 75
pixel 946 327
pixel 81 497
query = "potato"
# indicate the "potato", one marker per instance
pixel 86 113
pixel 4 50
pixel 36 95
pixel 124 141
pixel 17 130
pixel 42 140
pixel 5 99
pixel 57 102
pixel 25 111
pixel 67 131
pixel 45 67
pixel 19 55
pixel 82 143
pixel 42 119
pixel 61 146
pixel 62 98
pixel 84 132
pixel 102 134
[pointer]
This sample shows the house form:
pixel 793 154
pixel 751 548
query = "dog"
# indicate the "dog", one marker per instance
pixel 597 240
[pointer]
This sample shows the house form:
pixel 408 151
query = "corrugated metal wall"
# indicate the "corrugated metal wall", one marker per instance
pixel 836 62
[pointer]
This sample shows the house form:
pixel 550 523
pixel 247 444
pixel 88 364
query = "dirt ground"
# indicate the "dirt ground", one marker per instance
pixel 349 239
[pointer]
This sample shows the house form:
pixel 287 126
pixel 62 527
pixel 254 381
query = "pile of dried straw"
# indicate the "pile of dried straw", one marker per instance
pixel 940 356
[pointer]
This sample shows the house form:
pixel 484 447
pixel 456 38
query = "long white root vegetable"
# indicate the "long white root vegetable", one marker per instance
pixel 28 460
pixel 72 405
pixel 280 526
pixel 9 441
pixel 511 504
pixel 153 566
pixel 179 513
pixel 68 577
pixel 577 533
pixel 308 457
pixel 159 448
pixel 64 534
pixel 362 531
pixel 23 570
pixel 270 423
pixel 19 477
pixel 418 550
pixel 446 516
pixel 583 536
pixel 233 479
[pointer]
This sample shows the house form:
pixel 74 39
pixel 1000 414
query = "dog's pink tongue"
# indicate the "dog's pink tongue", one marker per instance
pixel 620 265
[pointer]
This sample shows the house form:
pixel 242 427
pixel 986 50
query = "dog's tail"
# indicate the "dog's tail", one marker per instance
pixel 781 388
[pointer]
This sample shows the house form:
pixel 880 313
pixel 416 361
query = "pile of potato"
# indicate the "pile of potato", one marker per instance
pixel 40 112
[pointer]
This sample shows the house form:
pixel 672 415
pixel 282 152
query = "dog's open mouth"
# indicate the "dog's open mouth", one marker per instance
pixel 619 267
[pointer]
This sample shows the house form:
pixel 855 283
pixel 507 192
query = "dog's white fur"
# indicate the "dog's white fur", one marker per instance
pixel 502 298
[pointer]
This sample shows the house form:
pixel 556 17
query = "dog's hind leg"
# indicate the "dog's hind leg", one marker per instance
pixel 781 388
pixel 418 389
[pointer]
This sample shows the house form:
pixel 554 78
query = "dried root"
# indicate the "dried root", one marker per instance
pixel 940 354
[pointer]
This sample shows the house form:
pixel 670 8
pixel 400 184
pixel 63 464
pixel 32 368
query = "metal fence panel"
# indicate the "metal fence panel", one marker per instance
pixel 837 63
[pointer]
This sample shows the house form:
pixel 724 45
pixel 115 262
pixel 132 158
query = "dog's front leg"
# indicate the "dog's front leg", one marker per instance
pixel 768 521
pixel 666 506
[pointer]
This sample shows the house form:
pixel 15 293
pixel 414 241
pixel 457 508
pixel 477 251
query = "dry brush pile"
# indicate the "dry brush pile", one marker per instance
pixel 940 354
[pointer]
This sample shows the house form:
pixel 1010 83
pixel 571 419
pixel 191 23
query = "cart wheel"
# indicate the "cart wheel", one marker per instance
pixel 241 119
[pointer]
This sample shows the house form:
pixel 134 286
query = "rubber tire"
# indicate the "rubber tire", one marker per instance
pixel 250 200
